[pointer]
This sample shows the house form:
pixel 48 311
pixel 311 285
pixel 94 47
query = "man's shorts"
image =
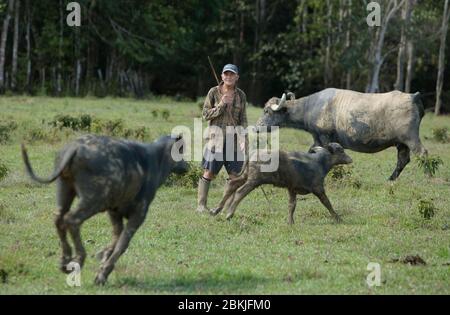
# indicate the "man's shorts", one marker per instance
pixel 214 162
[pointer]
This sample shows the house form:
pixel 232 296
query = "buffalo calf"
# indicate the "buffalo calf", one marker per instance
pixel 301 173
pixel 117 176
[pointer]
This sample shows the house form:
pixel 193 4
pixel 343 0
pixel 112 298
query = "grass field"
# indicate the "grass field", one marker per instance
pixel 178 251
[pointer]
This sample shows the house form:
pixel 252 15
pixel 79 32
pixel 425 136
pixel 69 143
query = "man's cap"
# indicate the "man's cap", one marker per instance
pixel 230 67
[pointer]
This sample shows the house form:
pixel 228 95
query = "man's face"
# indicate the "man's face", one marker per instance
pixel 229 78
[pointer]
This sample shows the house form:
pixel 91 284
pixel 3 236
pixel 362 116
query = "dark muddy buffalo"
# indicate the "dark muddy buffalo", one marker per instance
pixel 117 176
pixel 298 172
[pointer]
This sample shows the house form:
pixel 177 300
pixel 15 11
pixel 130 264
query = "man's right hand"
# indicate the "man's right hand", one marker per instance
pixel 227 99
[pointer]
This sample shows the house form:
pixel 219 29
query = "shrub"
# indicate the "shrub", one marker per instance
pixel 127 133
pixel 3 170
pixel 339 172
pixel 343 174
pixel 441 134
pixel 82 122
pixel 426 209
pixel 85 122
pixel 64 121
pixel 155 113
pixel 429 164
pixel 165 114
pixel 114 127
pixel 36 134
pixel 189 179
pixel 141 133
pixel 97 126
pixel 6 129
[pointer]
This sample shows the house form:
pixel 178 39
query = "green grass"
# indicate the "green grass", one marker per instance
pixel 180 251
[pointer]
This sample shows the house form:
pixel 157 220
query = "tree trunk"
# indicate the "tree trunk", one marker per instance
pixel 348 75
pixel 102 81
pixel 15 47
pixel 54 80
pixel 260 12
pixel 406 16
pixel 60 53
pixel 378 58
pixel 77 77
pixel 410 66
pixel 43 83
pixel 28 40
pixel 78 68
pixel 410 54
pixel 237 57
pixel 327 70
pixel 3 39
pixel 441 67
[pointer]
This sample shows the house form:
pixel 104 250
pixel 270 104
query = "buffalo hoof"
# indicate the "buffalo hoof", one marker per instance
pixel 79 260
pixel 202 209
pixel 63 264
pixel 100 279
pixel 215 211
pixel 230 216
pixel 337 219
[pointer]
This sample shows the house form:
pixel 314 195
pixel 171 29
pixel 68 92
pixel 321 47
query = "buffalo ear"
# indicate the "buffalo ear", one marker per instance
pixel 330 148
pixel 291 96
pixel 315 149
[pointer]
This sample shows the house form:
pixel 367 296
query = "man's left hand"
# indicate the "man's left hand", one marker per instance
pixel 242 146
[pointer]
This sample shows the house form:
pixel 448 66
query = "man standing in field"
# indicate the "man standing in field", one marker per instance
pixel 225 111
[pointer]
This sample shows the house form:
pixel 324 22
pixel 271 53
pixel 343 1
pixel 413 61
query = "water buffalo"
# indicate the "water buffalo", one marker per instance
pixel 298 172
pixel 117 176
pixel 362 122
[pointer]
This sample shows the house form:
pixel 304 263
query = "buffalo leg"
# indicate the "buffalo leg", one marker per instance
pixel 292 205
pixel 65 195
pixel 134 222
pixel 326 202
pixel 417 147
pixel 316 143
pixel 228 194
pixel 117 224
pixel 402 160
pixel 74 219
pixel 240 194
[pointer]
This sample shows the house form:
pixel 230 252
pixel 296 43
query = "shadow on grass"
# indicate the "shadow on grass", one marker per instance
pixel 210 283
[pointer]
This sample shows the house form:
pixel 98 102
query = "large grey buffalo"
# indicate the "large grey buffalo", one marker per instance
pixel 361 122
pixel 117 176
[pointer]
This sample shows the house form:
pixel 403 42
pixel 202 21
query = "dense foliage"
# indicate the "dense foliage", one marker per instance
pixel 143 47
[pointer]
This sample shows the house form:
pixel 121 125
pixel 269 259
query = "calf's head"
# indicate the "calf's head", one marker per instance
pixel 338 156
pixel 174 151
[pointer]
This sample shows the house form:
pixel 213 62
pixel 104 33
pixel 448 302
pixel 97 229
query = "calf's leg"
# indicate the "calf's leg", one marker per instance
pixel 243 191
pixel 326 202
pixel 74 219
pixel 134 222
pixel 117 224
pixel 228 194
pixel 64 195
pixel 292 205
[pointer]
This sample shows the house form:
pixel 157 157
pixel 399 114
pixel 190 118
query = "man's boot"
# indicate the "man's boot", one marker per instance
pixel 203 188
